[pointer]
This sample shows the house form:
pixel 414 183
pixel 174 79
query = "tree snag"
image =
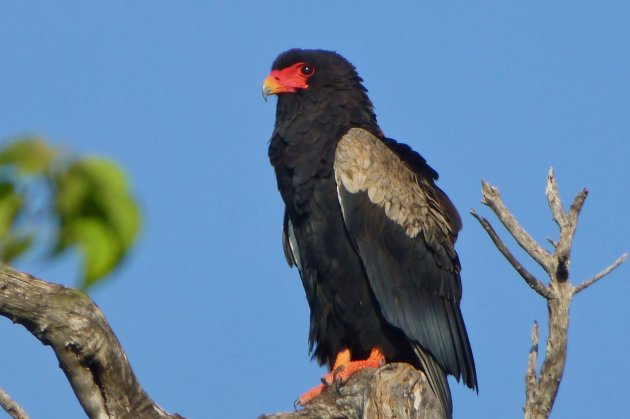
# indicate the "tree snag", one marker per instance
pixel 392 391
pixel 542 388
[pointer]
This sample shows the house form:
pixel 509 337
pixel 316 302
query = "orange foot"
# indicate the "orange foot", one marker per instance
pixel 341 371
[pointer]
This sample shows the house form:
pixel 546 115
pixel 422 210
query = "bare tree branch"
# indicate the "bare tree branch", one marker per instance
pixel 11 407
pixel 492 199
pixel 87 349
pixel 94 362
pixel 542 388
pixel 553 198
pixel 392 391
pixel 531 280
pixel 532 362
pixel 600 275
pixel 567 232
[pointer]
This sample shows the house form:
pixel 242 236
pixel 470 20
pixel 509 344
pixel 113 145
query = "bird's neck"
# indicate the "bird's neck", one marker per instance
pixel 331 110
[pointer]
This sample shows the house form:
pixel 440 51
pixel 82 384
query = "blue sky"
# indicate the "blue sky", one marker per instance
pixel 206 308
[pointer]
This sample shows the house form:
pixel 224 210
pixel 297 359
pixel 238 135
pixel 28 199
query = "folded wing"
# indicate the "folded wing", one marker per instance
pixel 404 228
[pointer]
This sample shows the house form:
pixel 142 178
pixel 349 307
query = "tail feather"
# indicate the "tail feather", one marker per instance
pixel 437 380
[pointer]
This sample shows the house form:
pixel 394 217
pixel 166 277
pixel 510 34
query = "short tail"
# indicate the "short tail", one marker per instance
pixel 437 380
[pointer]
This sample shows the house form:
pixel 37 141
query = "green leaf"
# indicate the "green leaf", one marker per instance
pixel 121 214
pixel 101 249
pixel 86 201
pixel 102 173
pixel 73 191
pixel 10 206
pixel 97 188
pixel 14 246
pixel 6 188
pixel 30 155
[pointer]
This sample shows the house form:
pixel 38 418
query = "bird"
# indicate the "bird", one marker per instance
pixel 368 229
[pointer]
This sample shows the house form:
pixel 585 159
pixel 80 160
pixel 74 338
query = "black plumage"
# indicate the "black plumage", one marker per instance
pixel 370 232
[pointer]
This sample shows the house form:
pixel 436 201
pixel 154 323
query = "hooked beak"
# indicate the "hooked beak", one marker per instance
pixel 271 86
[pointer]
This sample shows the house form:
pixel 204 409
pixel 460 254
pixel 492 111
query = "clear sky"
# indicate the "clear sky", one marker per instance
pixel 209 313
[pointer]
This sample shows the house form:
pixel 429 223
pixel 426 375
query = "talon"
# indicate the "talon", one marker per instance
pixel 341 371
pixel 308 397
pixel 338 383
pixel 328 379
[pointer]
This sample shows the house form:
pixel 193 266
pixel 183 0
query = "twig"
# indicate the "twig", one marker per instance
pixel 531 280
pixel 553 198
pixel 600 275
pixel 567 232
pixel 552 242
pixel 578 203
pixel 11 407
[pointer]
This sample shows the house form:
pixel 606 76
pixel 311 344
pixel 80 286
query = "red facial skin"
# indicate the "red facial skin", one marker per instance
pixel 288 80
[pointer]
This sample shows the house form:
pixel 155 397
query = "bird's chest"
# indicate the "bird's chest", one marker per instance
pixel 302 154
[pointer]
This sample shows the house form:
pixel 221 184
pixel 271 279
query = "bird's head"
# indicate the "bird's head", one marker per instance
pixel 299 71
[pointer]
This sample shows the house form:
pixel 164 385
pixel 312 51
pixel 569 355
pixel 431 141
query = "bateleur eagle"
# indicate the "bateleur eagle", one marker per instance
pixel 369 231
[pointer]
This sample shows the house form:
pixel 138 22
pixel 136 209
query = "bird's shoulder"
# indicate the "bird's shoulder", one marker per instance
pixel 398 180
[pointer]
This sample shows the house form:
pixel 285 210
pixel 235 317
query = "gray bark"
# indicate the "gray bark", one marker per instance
pixel 12 408
pixel 88 351
pixel 392 391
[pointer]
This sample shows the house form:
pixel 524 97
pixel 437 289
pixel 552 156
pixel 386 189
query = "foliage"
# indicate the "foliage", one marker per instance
pixel 51 199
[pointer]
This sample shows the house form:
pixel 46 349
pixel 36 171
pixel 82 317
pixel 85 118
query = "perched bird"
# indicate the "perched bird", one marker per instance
pixel 369 231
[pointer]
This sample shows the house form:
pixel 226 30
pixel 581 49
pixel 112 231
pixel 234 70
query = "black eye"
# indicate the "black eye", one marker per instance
pixel 307 70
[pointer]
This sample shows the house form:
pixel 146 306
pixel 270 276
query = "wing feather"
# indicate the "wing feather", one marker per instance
pixel 404 228
pixel 289 246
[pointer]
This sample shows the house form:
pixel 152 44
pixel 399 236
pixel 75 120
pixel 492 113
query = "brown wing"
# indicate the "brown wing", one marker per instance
pixel 404 228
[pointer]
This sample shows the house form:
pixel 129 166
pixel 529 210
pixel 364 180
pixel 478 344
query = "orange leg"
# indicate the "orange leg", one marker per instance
pixel 308 397
pixel 341 371
pixel 343 359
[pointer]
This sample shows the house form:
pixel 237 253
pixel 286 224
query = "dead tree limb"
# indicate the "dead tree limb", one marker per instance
pixel 96 366
pixel 87 349
pixel 392 391
pixel 542 388
pixel 11 407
